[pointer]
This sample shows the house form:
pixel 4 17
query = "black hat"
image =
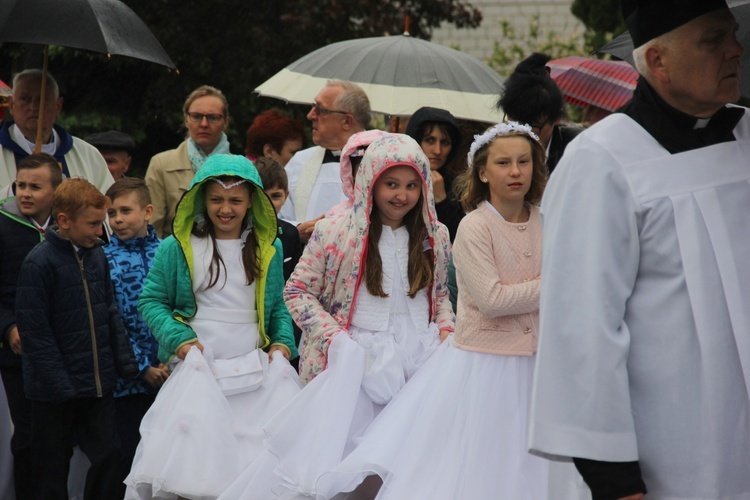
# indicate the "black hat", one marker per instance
pixel 648 19
pixel 111 140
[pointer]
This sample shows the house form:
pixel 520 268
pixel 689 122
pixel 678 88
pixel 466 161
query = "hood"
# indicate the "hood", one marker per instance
pixel 193 202
pixel 355 142
pixel 435 115
pixel 388 151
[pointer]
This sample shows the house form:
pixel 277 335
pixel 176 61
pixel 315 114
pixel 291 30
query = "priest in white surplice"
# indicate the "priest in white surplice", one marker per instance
pixel 643 369
pixel 340 110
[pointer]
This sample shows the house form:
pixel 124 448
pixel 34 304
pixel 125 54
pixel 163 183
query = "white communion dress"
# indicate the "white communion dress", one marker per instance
pixel 205 426
pixel 389 339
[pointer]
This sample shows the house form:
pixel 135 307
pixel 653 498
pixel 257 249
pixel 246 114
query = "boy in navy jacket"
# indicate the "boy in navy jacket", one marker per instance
pixel 23 220
pixel 74 346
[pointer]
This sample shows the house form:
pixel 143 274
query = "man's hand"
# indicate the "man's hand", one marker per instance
pixel 182 351
pixel 14 340
pixel 438 186
pixel 305 229
pixel 156 376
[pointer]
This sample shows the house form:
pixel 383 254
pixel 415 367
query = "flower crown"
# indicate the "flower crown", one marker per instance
pixel 499 130
pixel 228 186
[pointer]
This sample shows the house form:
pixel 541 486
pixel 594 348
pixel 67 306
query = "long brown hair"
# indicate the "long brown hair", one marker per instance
pixel 204 227
pixel 470 189
pixel 421 267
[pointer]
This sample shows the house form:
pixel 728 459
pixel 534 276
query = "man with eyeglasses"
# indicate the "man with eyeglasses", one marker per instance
pixel 339 111
pixel 18 137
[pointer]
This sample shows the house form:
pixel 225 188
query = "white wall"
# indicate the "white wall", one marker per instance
pixel 554 15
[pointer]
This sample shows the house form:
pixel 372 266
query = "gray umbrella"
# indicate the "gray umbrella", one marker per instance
pixel 399 73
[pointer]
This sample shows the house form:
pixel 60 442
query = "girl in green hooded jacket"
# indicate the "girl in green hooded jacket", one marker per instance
pixel 213 299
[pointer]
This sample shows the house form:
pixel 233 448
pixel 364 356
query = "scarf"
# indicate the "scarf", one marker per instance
pixel 198 156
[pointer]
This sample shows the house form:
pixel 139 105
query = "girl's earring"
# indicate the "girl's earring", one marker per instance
pixel 484 179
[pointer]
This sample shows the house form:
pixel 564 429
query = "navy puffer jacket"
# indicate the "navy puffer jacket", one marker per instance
pixel 63 356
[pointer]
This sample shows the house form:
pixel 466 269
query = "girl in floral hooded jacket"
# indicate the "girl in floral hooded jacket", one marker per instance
pixel 371 298
pixel 321 293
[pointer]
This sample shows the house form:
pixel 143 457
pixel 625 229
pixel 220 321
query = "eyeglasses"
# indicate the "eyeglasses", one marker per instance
pixel 323 111
pixel 198 118
pixel 537 127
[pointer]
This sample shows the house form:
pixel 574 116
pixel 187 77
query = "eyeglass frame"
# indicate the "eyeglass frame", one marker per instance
pixel 211 118
pixel 535 127
pixel 321 111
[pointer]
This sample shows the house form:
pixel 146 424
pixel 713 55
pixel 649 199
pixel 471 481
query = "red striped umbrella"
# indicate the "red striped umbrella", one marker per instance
pixel 594 82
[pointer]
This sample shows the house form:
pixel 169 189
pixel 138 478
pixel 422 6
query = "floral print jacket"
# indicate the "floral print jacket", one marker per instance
pixel 321 292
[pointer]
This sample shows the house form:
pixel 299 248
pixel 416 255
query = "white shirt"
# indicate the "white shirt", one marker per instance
pixel 326 192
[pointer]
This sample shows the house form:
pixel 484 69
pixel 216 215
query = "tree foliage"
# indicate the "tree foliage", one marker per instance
pixel 234 45
pixel 517 44
pixel 602 18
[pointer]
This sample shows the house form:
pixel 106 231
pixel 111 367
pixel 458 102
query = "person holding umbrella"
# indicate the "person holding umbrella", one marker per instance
pixel 339 111
pixel 17 137
pixel 643 368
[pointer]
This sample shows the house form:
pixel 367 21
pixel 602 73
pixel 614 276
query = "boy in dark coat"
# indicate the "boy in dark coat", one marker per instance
pixel 23 221
pixel 74 345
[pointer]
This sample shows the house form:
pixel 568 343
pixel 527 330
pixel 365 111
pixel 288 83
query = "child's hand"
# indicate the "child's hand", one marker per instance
pixel 182 351
pixel 275 348
pixel 444 335
pixel 14 340
pixel 155 377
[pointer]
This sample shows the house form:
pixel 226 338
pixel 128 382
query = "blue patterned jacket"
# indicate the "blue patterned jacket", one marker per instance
pixel 129 263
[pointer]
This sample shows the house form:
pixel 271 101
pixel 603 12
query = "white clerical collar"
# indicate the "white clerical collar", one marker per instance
pixel 28 146
pixel 701 123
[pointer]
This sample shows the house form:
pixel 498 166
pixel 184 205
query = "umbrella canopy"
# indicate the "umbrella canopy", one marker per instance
pixel 400 74
pixel 622 46
pixel 593 82
pixel 106 26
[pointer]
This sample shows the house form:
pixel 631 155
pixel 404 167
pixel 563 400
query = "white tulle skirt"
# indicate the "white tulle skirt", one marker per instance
pixel 321 426
pixel 456 431
pixel 195 440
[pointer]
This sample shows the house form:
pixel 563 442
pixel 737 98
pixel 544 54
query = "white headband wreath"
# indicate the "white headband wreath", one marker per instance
pixel 499 130
pixel 229 186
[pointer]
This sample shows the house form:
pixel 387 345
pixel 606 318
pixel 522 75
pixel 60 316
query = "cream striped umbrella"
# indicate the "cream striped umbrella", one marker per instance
pixel 400 74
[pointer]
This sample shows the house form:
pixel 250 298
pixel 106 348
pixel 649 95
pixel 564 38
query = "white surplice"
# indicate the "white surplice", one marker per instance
pixel 645 310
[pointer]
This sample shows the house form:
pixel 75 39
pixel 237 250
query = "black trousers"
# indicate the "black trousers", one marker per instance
pixel 130 411
pixel 92 422
pixel 20 443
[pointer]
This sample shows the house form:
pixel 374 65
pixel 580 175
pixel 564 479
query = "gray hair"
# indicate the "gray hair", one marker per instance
pixel 666 41
pixel 36 74
pixel 353 100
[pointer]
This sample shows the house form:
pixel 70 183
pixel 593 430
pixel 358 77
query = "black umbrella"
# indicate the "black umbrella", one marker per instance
pixel 106 26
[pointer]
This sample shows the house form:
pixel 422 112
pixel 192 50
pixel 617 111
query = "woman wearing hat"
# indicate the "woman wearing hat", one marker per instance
pixel 436 131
